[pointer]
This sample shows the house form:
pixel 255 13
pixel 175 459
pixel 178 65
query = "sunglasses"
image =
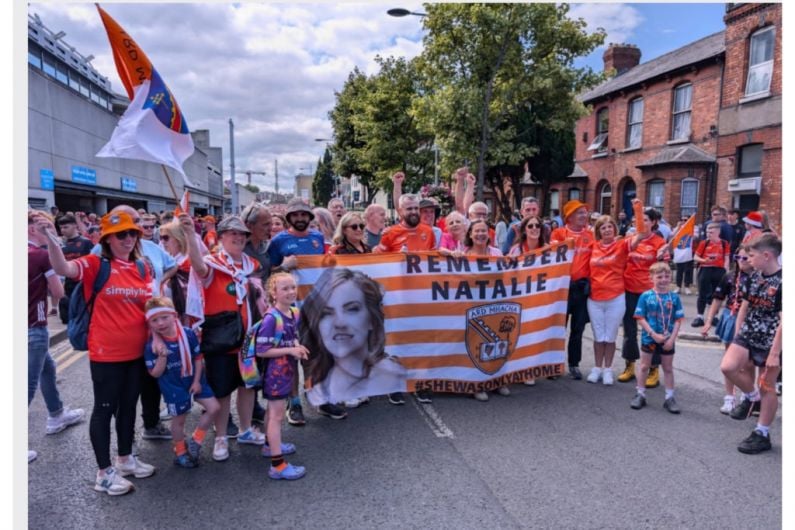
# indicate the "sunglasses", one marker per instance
pixel 125 234
pixel 741 258
pixel 355 226
pixel 147 227
pixel 533 225
pixel 164 237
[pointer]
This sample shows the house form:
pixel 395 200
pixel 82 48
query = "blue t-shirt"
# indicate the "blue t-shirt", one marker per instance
pixel 286 244
pixel 174 387
pixel 661 311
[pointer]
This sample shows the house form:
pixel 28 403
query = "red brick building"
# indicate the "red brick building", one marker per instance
pixel 698 126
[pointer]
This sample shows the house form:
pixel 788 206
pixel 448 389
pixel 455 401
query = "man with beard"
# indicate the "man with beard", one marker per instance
pixel 409 234
pixel 299 240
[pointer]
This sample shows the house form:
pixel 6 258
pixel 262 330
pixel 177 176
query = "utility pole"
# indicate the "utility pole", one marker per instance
pixel 232 166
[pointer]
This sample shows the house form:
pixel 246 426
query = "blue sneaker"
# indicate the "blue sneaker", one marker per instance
pixel 184 460
pixel 194 449
pixel 287 449
pixel 251 436
pixel 290 472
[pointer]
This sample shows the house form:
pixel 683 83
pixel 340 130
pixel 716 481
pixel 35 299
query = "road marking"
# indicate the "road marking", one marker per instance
pixel 432 418
pixel 61 366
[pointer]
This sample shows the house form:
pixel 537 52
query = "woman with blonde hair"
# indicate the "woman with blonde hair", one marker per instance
pixel 325 225
pixel 456 230
pixel 174 241
pixel 349 236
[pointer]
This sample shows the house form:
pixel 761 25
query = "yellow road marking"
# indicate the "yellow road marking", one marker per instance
pixel 66 364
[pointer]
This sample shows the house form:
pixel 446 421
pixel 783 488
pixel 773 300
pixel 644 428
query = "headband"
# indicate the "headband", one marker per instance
pixel 157 310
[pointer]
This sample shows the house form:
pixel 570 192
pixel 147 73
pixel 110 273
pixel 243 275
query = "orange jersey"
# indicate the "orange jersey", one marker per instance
pixel 419 238
pixel 714 253
pixel 118 329
pixel 580 266
pixel 636 275
pixel 607 269
pixel 220 294
pixel 210 239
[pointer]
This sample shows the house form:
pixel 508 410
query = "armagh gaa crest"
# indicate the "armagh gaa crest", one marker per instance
pixel 491 334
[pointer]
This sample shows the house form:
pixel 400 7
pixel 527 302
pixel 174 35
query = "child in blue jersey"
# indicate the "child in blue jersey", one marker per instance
pixel 659 314
pixel 277 341
pixel 172 356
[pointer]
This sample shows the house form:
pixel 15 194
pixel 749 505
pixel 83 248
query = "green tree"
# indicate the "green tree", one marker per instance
pixel 498 76
pixel 375 131
pixel 323 183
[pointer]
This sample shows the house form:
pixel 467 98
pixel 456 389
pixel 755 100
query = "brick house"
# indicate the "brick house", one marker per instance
pixel 697 126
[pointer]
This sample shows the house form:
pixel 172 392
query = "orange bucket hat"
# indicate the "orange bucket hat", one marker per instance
pixel 571 207
pixel 112 223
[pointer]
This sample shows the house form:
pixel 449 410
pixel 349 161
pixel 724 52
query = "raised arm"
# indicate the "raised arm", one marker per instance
pixel 194 254
pixel 58 261
pixel 397 187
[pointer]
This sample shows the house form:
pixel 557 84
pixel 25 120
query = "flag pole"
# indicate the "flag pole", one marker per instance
pixel 170 184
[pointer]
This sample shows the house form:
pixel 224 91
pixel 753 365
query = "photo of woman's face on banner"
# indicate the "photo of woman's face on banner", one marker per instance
pixel 342 325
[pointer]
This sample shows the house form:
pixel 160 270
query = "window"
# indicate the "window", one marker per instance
pixel 554 200
pixel 760 61
pixel 74 82
pixel 635 124
pixel 750 161
pixel 49 68
pixel 60 75
pixel 605 198
pixel 689 202
pixel 683 98
pixel 599 143
pixel 84 90
pixel 574 194
pixel 656 194
pixel 34 59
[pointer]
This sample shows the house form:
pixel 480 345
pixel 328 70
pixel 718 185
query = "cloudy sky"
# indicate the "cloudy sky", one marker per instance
pixel 273 68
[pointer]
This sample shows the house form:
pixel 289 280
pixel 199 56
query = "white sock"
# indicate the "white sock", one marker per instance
pixel 669 393
pixel 763 429
pixel 754 396
pixel 641 391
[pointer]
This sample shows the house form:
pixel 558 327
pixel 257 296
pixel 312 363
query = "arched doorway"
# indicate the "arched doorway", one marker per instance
pixel 628 192
pixel 604 197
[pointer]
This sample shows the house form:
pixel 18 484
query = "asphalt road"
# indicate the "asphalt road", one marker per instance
pixel 563 454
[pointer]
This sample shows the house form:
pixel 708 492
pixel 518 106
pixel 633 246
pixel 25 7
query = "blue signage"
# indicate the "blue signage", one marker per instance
pixel 47 179
pixel 128 184
pixel 84 175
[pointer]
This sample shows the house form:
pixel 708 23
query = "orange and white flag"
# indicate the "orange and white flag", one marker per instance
pixel 381 323
pixel 184 203
pixel 687 229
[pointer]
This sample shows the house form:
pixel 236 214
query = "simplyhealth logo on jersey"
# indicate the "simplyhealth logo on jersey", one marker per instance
pixel 127 292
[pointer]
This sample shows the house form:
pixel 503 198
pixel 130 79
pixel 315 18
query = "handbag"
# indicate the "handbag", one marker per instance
pixel 222 332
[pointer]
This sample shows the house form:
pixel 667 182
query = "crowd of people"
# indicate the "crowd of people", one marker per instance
pixel 187 293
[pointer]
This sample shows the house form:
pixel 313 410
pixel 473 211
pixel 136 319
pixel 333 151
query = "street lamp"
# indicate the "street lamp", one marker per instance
pixel 400 12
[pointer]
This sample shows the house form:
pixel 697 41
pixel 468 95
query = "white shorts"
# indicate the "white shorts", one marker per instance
pixel 606 316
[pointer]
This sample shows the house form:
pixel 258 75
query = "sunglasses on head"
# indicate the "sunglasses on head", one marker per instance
pixel 125 234
pixel 356 226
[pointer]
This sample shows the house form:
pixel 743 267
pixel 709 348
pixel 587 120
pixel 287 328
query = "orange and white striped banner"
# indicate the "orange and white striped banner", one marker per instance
pixel 460 325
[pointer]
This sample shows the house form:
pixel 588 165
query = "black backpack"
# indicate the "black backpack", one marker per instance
pixel 80 310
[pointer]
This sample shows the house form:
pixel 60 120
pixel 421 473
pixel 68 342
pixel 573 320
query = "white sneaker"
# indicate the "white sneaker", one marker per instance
pixel 530 382
pixel 221 449
pixel 135 467
pixel 32 455
pixel 595 375
pixel 353 403
pixel 608 377
pixel 504 391
pixel 728 404
pixel 165 415
pixel 481 396
pixel 688 291
pixel 676 290
pixel 67 417
pixel 251 436
pixel 112 483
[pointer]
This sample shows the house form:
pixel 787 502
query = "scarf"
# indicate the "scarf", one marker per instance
pixel 221 262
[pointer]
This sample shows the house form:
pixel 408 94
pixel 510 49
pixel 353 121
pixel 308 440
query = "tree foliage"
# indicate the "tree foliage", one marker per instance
pixel 323 183
pixel 375 132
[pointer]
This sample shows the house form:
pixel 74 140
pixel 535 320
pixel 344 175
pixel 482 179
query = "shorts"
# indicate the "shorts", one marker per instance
pixel 653 348
pixel 757 355
pixel 178 398
pixel 606 317
pixel 278 378
pixel 223 374
pixel 725 327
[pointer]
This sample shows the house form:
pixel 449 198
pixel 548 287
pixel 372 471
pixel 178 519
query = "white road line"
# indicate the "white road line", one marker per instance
pixel 432 418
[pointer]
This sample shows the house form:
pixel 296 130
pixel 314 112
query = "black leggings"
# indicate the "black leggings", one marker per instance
pixel 116 389
pixel 150 399
pixel 708 279
pixel 629 348
pixel 684 271
pixel 577 314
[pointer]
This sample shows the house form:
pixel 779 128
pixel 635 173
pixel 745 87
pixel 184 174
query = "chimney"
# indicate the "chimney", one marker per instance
pixel 622 57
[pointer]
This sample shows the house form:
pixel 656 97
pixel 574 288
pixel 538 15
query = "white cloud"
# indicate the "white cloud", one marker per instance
pixel 272 68
pixel 620 21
